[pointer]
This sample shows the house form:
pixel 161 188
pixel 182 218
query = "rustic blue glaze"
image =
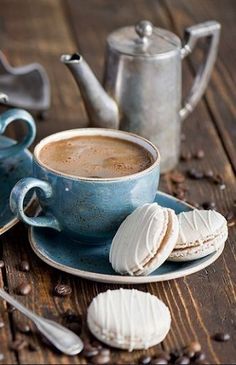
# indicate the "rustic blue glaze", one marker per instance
pixel 16 115
pixel 89 211
pixel 12 169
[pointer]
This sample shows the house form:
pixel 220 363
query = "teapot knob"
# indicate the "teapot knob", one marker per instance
pixel 144 29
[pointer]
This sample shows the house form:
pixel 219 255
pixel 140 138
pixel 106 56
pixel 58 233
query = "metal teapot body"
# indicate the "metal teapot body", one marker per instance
pixel 143 83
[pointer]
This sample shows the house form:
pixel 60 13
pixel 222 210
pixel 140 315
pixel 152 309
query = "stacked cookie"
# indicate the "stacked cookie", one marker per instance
pixel 152 234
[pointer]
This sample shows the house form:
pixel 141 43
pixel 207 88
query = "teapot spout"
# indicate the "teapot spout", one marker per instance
pixel 101 108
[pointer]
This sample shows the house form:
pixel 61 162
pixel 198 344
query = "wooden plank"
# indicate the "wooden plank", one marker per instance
pixel 221 94
pixel 192 317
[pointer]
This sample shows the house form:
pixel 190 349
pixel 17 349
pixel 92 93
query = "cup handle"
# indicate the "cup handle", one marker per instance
pixel 17 197
pixel 211 30
pixel 13 115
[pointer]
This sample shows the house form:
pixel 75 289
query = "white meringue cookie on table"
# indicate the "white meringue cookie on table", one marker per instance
pixel 128 319
pixel 144 240
pixel 201 232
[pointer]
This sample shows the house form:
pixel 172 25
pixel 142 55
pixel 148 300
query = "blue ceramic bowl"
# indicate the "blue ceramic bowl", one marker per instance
pixel 87 209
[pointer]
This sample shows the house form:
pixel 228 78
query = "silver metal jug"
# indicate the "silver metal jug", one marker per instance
pixel 143 83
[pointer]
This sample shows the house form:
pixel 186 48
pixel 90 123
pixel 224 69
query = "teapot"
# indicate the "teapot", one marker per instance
pixel 141 92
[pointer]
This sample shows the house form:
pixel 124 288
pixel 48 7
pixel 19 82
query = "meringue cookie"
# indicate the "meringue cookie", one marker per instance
pixel 144 240
pixel 128 319
pixel 201 232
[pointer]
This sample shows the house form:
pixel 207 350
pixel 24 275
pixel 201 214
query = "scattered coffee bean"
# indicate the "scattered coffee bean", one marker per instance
pixel 159 360
pixel 11 309
pixel 23 327
pixel 100 359
pixel 18 345
pixel 33 347
pixel 182 360
pixel 177 177
pixel 175 354
pixel 1 357
pixel 62 290
pixel 200 154
pixel 24 289
pixel 24 266
pixel 221 337
pixel 199 356
pixel 195 174
pixel 145 360
pixel 208 205
pixel 1 323
pixel 1 264
pixel 90 351
pixel 231 218
pixel 97 344
pixel 75 327
pixel 208 174
pixel 186 156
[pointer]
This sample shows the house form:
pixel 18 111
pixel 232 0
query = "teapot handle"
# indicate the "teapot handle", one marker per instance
pixel 211 30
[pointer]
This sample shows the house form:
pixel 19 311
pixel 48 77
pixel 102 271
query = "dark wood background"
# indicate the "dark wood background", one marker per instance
pixel 41 30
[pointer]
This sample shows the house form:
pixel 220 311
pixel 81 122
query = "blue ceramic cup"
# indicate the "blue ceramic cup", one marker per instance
pixel 87 209
pixel 17 115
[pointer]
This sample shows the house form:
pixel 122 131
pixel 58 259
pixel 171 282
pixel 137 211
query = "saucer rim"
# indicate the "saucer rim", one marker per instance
pixel 126 280
pixel 15 220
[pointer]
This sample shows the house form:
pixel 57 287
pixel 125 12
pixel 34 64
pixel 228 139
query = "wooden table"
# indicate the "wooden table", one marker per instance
pixel 42 30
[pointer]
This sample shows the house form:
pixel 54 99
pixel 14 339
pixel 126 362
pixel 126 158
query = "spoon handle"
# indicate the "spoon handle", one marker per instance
pixel 4 295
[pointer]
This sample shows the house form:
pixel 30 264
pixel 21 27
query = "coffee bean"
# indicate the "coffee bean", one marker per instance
pixel 1 264
pixel 18 345
pixel 11 309
pixel 90 351
pixel 195 174
pixel 97 344
pixel 100 359
pixel 200 154
pixel 70 316
pixel 145 360
pixel 208 205
pixel 24 266
pixel 175 354
pixel 24 289
pixel 208 174
pixel 183 360
pixel 1 323
pixel 179 193
pixel 159 360
pixel 163 354
pixel 1 357
pixel 23 327
pixel 199 356
pixel 74 327
pixel 186 156
pixel 221 337
pixel 105 352
pixel 177 177
pixel 62 290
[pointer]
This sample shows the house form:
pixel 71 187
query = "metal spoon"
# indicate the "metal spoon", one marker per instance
pixel 63 339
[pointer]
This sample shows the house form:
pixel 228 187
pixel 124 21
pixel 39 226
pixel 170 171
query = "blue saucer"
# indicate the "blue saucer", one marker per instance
pixel 91 262
pixel 12 169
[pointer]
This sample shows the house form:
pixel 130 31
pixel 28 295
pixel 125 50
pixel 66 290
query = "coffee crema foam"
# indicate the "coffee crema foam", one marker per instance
pixel 95 157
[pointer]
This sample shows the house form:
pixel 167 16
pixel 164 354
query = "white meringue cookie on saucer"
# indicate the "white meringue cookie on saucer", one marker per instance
pixel 128 319
pixel 144 240
pixel 201 232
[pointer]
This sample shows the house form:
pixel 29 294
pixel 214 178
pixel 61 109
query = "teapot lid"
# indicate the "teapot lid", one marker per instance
pixel 143 40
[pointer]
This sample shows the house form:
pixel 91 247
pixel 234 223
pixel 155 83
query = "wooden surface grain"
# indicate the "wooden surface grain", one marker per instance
pixel 201 304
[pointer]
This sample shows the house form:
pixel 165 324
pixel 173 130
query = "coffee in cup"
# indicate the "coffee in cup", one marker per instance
pixel 88 197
